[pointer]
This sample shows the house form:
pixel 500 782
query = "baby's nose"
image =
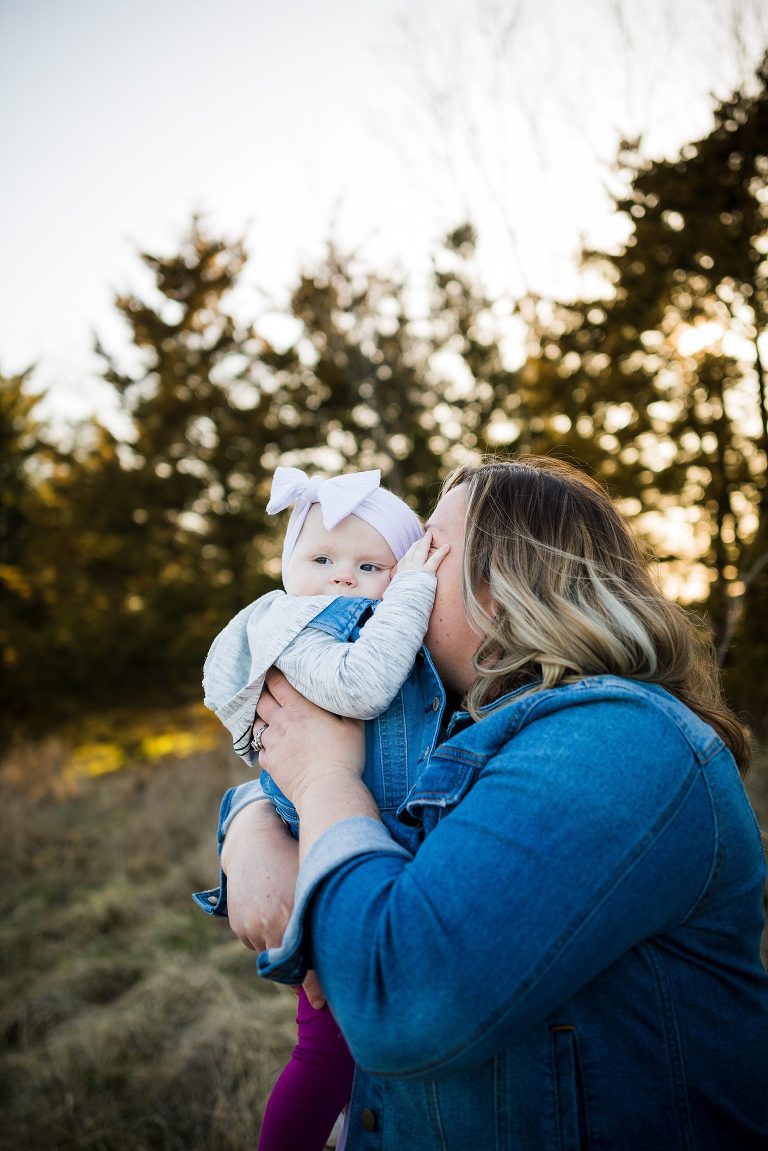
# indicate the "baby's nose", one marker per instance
pixel 343 576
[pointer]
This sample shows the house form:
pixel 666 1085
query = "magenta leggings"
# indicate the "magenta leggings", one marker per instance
pixel 314 1087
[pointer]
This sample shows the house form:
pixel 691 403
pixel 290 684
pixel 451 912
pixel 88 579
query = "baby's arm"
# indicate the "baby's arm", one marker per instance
pixel 361 679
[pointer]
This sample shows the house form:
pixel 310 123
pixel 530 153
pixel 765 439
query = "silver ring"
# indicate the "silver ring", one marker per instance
pixel 256 742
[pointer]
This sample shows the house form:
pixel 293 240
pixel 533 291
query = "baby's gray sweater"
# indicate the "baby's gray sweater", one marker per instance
pixel 358 679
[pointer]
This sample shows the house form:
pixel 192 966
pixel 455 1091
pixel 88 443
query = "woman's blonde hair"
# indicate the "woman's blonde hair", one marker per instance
pixel 571 593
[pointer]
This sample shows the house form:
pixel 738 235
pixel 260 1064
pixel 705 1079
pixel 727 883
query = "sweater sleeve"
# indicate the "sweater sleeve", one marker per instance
pixel 361 679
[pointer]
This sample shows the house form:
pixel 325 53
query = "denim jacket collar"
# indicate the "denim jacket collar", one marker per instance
pixel 461 719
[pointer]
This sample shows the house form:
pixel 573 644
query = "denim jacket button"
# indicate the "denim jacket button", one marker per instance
pixel 213 899
pixel 436 703
pixel 368 1120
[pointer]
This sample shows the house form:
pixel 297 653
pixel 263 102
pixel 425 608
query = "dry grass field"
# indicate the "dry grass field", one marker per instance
pixel 130 1021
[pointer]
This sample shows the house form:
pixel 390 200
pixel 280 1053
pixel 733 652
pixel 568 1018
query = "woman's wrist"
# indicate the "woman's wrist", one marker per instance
pixel 328 798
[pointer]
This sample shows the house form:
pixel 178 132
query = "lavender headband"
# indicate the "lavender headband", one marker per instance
pixel 357 493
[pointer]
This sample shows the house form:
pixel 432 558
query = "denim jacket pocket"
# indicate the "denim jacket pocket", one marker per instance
pixel 440 787
pixel 570 1102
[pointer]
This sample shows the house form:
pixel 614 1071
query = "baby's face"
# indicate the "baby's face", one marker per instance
pixel 352 559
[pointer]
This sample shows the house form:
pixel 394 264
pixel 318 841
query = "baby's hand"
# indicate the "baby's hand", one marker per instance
pixel 421 557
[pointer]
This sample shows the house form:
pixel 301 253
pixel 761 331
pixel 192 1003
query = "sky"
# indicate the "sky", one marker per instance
pixel 380 123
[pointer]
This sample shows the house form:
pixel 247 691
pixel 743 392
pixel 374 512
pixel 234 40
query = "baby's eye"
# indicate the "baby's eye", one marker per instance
pixel 370 568
pixel 321 560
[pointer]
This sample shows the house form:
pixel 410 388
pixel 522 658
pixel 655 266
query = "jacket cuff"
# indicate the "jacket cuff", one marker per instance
pixel 360 835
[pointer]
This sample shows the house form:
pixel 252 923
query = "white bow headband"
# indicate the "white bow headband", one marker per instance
pixel 358 493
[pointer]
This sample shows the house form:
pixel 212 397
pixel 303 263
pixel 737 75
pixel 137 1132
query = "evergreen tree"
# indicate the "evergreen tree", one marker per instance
pixel 24 454
pixel 355 381
pixel 20 443
pixel 192 482
pixel 662 385
pixel 530 409
pixel 482 402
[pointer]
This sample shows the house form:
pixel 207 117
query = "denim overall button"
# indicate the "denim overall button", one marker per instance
pixel 368 1120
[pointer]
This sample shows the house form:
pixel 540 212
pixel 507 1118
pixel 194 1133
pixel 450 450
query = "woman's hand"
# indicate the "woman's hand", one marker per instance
pixel 303 745
pixel 261 860
pixel 315 758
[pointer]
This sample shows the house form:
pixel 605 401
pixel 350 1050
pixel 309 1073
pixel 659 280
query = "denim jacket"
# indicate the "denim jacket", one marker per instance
pixel 398 743
pixel 571 959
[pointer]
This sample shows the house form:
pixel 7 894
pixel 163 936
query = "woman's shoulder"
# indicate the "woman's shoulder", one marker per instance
pixel 616 744
pixel 605 711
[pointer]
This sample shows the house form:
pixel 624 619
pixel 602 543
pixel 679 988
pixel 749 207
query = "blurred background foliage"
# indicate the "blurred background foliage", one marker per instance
pixel 120 557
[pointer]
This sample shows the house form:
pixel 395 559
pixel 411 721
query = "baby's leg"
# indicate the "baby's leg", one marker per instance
pixel 314 1087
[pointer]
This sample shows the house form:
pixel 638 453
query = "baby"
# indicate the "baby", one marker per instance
pixel 355 656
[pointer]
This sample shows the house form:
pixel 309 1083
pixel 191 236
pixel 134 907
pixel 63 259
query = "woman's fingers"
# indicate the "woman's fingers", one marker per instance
pixel 314 991
pixel 266 709
pixel 281 691
pixel 300 741
pixel 279 704
pixel 276 694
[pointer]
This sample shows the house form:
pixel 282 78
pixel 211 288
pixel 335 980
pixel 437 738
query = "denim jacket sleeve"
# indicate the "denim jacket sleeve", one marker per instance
pixel 564 835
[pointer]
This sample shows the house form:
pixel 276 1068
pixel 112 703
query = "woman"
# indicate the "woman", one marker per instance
pixel 571 959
